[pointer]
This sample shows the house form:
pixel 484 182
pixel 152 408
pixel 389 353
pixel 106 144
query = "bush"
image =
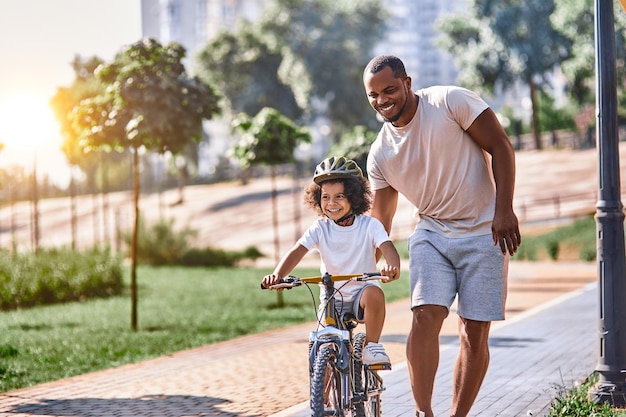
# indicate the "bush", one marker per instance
pixel 161 245
pixel 553 249
pixel 208 257
pixel 57 276
pixel 579 235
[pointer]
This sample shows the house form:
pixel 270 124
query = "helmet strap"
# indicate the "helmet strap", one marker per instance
pixel 346 220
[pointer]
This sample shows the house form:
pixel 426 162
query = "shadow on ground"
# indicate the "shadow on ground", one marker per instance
pixel 147 406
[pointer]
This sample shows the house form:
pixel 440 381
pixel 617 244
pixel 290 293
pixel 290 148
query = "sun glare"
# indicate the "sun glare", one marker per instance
pixel 26 121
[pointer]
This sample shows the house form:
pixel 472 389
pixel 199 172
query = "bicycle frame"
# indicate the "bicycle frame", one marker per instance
pixel 338 332
pixel 340 384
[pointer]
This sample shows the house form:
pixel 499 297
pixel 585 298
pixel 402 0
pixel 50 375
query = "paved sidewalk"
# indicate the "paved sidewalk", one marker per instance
pixel 546 343
pixel 534 358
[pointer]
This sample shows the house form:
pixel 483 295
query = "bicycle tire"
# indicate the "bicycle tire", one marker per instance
pixel 367 382
pixel 357 372
pixel 326 397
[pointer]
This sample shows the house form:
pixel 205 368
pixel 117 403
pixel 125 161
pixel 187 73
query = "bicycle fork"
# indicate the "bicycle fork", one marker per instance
pixel 340 340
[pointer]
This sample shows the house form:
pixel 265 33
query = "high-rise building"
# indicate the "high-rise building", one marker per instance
pixel 192 22
pixel 411 35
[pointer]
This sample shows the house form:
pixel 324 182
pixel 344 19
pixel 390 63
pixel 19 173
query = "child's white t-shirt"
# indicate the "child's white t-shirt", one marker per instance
pixel 346 249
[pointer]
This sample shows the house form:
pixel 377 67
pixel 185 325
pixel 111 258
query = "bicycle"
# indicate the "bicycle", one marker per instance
pixel 340 384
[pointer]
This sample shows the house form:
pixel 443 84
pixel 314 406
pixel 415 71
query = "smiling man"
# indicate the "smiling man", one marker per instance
pixel 443 148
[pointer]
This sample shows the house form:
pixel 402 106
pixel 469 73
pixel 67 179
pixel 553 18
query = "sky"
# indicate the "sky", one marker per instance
pixel 38 40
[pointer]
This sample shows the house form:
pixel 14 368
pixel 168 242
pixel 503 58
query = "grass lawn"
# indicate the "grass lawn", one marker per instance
pixel 178 308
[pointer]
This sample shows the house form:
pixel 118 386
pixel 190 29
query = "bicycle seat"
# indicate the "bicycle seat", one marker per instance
pixel 349 320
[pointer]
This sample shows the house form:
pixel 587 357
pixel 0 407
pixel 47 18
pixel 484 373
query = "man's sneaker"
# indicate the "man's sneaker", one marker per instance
pixel 374 354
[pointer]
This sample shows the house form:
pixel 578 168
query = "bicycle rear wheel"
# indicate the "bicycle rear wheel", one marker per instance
pixel 373 391
pixel 326 383
pixel 366 382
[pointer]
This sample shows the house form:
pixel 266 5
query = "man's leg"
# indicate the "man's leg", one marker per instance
pixel 471 365
pixel 422 352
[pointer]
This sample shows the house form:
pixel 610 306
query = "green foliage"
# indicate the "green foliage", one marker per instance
pixel 332 41
pixel 576 403
pixel 355 145
pixel 503 44
pixel 300 53
pixel 268 138
pixel 162 244
pixel 576 20
pixel 207 257
pixel 150 94
pixel 580 234
pixel 182 308
pixel 553 249
pixel 57 276
pixel 498 45
pixel 245 65
pixel 552 118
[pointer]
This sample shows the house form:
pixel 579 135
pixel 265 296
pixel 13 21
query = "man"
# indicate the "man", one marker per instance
pixel 445 151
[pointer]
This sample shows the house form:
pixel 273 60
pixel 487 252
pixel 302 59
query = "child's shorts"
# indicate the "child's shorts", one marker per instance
pixel 353 306
pixel 472 269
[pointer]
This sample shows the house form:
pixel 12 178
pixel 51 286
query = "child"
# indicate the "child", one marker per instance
pixel 347 241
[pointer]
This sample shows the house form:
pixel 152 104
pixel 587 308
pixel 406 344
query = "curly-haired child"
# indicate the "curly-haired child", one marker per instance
pixel 347 240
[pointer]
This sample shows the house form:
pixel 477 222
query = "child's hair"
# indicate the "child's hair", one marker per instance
pixel 356 189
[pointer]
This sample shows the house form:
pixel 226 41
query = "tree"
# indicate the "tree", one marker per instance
pixel 500 42
pixel 355 145
pixel 84 87
pixel 575 19
pixel 149 97
pixel 268 138
pixel 245 66
pixel 332 41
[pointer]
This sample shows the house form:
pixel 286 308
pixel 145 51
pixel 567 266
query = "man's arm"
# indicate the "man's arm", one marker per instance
pixel 488 133
pixel 384 205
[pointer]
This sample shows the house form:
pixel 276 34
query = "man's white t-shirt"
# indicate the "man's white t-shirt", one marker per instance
pixel 436 165
pixel 346 249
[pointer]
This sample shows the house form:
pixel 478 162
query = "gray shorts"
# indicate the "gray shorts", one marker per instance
pixel 472 269
pixel 353 306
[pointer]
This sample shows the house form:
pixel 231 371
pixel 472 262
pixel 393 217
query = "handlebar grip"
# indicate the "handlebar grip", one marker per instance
pixel 287 280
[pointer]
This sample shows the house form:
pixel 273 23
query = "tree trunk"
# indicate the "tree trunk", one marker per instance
pixel 35 210
pixel 535 114
pixel 73 216
pixel 279 300
pixel 94 207
pixel 133 243
pixel 104 171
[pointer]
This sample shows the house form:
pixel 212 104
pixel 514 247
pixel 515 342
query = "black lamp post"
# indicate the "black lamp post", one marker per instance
pixel 611 367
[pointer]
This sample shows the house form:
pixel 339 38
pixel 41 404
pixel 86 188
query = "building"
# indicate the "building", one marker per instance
pixel 192 22
pixel 412 37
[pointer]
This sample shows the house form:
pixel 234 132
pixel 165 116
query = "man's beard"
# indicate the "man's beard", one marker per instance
pixel 397 116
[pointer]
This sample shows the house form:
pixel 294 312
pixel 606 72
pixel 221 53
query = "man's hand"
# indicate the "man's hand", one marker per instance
pixel 505 231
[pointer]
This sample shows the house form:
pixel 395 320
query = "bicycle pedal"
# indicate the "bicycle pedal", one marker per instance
pixel 379 367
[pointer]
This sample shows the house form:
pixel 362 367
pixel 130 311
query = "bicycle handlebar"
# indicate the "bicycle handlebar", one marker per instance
pixel 291 281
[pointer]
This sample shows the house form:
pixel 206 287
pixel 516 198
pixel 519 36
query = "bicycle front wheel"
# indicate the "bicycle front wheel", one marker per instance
pixel 326 383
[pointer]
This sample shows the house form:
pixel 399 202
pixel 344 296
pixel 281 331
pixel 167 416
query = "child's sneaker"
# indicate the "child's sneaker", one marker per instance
pixel 374 354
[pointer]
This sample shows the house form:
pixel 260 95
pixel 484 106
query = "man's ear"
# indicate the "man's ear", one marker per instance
pixel 408 82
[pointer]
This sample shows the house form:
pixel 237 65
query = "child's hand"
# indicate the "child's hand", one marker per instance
pixel 393 272
pixel 270 280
